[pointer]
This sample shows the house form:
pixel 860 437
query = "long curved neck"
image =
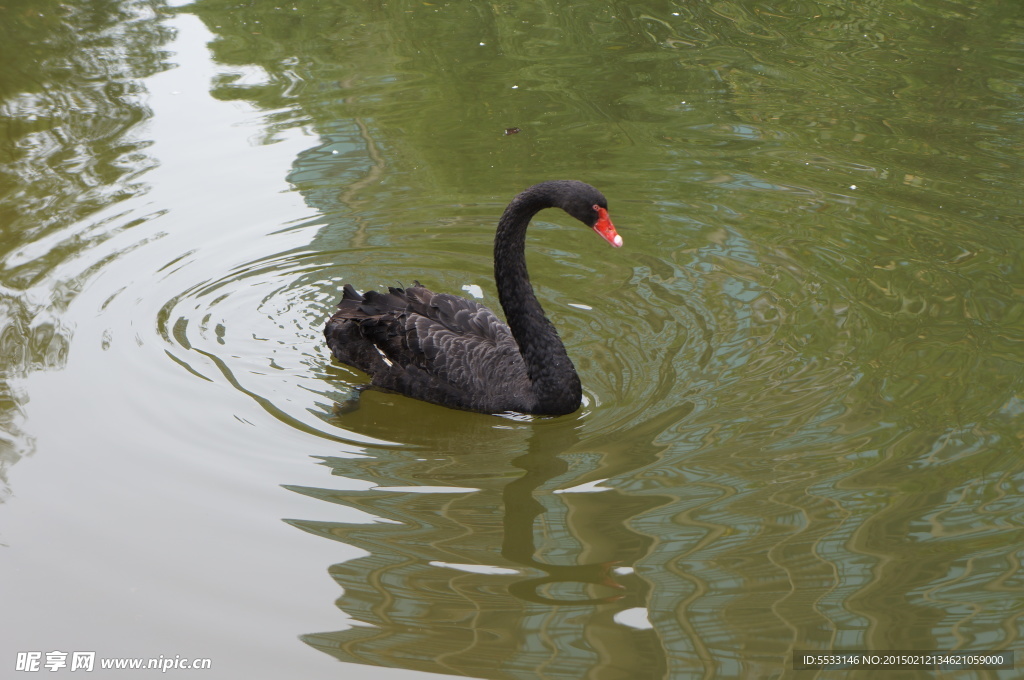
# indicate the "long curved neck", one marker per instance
pixel 553 377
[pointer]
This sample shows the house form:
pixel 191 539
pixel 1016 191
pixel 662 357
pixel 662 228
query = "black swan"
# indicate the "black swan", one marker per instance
pixel 455 352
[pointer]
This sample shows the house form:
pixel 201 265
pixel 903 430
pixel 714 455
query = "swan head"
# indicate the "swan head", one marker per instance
pixel 590 207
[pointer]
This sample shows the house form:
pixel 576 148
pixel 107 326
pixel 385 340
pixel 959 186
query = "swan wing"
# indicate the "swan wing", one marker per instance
pixel 436 346
pixel 462 342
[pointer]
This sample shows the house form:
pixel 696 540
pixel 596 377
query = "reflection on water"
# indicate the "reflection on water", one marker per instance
pixel 455 581
pixel 70 97
pixel 804 393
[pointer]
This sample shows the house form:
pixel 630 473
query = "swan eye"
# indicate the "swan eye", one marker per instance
pixel 596 208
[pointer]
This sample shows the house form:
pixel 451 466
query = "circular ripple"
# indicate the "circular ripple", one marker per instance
pixel 659 329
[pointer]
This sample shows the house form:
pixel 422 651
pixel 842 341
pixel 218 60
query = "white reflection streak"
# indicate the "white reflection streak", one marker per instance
pixel 427 489
pixel 475 568
pixel 589 487
pixel 634 618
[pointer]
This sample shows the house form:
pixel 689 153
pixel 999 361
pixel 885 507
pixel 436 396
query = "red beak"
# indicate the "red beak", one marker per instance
pixel 606 229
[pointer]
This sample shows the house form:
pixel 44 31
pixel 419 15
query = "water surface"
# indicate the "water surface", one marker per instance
pixel 804 390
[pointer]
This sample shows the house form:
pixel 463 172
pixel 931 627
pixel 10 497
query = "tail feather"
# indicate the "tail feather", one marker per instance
pixel 350 293
pixel 369 305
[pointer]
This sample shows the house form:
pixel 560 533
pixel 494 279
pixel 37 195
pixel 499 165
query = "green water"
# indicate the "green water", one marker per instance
pixel 803 373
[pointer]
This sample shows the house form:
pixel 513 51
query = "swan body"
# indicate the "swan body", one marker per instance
pixel 455 352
